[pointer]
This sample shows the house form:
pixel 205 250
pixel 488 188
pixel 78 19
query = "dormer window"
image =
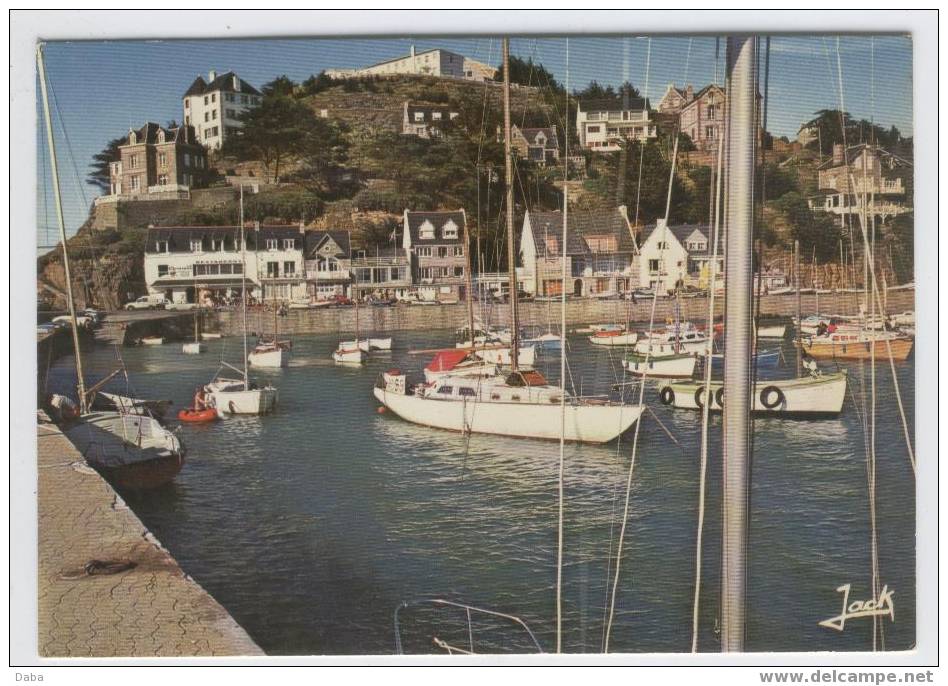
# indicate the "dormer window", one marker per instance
pixel 132 138
pixel 217 244
pixel 426 231
pixel 272 244
pixel 161 246
pixel 419 116
pixel 450 230
pixel 196 245
pixel 289 243
pixel 161 136
pixel 436 116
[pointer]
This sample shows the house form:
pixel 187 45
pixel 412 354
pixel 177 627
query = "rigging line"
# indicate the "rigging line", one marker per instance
pixel 563 273
pixel 638 423
pixel 705 415
pixel 638 186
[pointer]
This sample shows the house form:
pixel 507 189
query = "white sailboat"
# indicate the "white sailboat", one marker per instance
pixel 676 363
pixel 132 449
pixel 352 352
pixel 522 403
pixel 620 337
pixel 240 396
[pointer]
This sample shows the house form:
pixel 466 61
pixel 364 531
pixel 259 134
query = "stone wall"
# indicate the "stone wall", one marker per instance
pixel 542 314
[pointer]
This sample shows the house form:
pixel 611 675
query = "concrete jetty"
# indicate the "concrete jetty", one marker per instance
pixel 153 609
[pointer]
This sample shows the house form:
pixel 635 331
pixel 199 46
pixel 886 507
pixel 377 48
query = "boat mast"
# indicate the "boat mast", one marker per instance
pixel 508 182
pixel 81 386
pixel 796 279
pixel 469 281
pixel 742 101
pixel 243 283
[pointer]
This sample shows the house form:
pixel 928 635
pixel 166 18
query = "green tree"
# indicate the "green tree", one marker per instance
pixel 281 85
pixel 529 73
pixel 278 128
pixel 814 230
pixel 100 175
pixel 316 84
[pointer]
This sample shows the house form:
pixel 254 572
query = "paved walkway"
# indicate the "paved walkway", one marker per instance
pixel 152 610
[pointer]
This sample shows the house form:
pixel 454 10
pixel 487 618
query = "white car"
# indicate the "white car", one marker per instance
pixel 147 302
pixel 82 321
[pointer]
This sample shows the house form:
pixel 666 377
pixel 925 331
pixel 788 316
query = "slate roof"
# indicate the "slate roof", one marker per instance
pixel 179 237
pixel 855 150
pixel 177 134
pixel 550 133
pixel 315 239
pixel 580 225
pixel 224 82
pixel 611 105
pixel 681 233
pixel 414 220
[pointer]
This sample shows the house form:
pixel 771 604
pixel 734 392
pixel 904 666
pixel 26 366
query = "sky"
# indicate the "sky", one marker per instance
pixel 102 88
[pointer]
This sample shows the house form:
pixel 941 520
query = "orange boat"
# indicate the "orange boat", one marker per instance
pixel 845 345
pixel 194 416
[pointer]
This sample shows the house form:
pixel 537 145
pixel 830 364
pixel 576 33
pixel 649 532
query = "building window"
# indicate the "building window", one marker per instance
pixel 207 100
pixel 459 251
pixel 187 103
pixel 272 244
pixel 196 245
pixel 238 269
pixel 395 274
pixel 161 246
pixel 243 99
pixel 217 244
pixel 229 97
pixel 162 159
pixel 133 161
pixel 423 251
pixel 162 270
pixel 436 116
pixel 653 265
pixel 459 271
pixel 273 270
pixel 289 243
pixel 213 97
pixel 592 129
pixel 426 272
pixel 213 114
pixel 419 116
pixel 443 272
pixel 162 179
pixel 450 230
pixel 207 116
pixel 289 268
pixel 187 160
pixel 136 183
pixel 442 251
pixel 231 114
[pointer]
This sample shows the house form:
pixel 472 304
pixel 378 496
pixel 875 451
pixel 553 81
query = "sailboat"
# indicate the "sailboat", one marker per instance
pixel 194 347
pixel 521 403
pixel 132 449
pixel 271 352
pixel 351 352
pixel 656 361
pixel 240 396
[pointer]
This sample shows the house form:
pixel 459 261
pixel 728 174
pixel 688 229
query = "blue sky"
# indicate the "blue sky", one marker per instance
pixel 104 87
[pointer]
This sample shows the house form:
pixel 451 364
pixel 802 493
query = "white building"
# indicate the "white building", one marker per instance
pixel 213 107
pixel 603 125
pixel 205 264
pixel 677 255
pixel 436 62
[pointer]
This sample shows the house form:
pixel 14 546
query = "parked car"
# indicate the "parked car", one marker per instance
pixel 82 321
pixel 147 302
pixel 46 328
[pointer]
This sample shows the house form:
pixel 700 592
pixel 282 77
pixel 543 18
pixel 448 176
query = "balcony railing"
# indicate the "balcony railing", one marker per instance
pixel 326 275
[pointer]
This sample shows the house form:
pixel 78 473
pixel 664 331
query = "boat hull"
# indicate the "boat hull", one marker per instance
pixel 349 356
pixel 805 397
pixel 862 350
pixel 143 476
pixel 621 339
pixel 583 423
pixel 255 401
pixel 776 331
pixel 269 359
pixel 671 367
pixel 193 348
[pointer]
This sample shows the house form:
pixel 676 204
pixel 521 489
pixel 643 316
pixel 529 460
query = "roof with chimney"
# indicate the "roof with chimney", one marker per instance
pixel 151 133
pixel 224 82
pixel 531 135
pixel 179 237
pixel 682 232
pixel 888 159
pixel 588 232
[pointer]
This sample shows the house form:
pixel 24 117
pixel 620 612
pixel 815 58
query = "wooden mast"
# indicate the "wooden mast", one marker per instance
pixel 469 281
pixel 81 385
pixel 511 248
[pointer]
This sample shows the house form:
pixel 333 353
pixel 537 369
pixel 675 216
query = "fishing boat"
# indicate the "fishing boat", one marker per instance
pixel 131 449
pixel 619 337
pixel 240 396
pixel 521 403
pixel 858 345
pixel 457 362
pixel 671 366
pixel 809 396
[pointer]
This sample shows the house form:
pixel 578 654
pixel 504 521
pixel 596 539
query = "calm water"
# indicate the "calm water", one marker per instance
pixel 311 526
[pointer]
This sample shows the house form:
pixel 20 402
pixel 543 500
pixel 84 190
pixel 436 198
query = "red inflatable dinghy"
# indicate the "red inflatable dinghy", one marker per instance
pixel 194 416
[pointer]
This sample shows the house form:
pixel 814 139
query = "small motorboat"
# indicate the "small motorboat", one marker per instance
pixel 369 344
pixel 193 415
pixel 348 354
pixel 614 338
pixel 272 354
pixel 193 348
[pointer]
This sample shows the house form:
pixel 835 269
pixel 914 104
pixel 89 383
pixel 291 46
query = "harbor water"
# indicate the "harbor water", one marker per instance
pixel 313 525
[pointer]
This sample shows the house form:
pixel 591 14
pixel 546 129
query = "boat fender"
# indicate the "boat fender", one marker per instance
pixel 771 397
pixel 698 401
pixel 719 397
pixel 667 396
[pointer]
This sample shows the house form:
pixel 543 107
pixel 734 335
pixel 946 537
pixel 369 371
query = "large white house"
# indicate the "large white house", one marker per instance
pixel 436 62
pixel 205 264
pixel 602 125
pixel 677 255
pixel 213 107
pixel 600 252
